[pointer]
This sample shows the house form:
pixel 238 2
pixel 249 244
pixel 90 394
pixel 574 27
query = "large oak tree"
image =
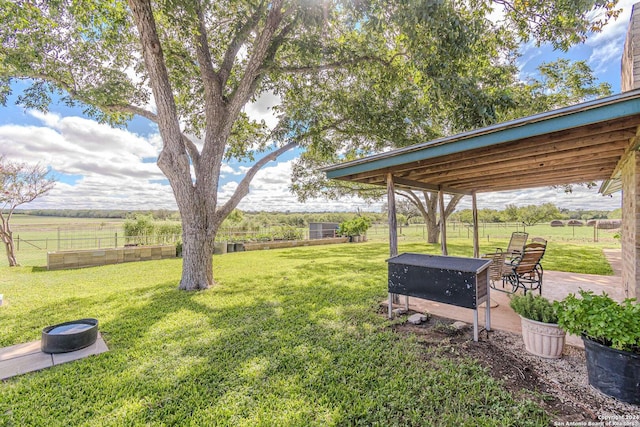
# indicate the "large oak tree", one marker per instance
pixel 192 66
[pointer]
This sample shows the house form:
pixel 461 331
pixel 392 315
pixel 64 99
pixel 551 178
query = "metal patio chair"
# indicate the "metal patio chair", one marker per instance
pixel 525 271
pixel 516 244
pixel 497 267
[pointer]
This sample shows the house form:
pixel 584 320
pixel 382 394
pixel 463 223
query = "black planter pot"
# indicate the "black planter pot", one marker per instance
pixel 69 336
pixel 614 372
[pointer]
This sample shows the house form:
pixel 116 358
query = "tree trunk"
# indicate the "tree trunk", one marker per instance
pixel 433 230
pixel 7 239
pixel 197 253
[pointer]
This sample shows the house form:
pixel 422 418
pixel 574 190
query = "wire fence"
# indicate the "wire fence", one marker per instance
pixel 116 240
pixel 34 241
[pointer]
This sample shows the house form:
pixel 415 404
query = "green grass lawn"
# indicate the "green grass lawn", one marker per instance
pixel 285 338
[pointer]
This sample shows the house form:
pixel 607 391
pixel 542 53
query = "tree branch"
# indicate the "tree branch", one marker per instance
pixel 173 159
pixel 415 200
pixel 453 202
pixel 247 84
pixel 243 187
pixel 238 40
pixel 132 109
pixel 212 87
pixel 335 65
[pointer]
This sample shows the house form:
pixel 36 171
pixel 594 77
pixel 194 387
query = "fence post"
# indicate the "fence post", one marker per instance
pixel 18 245
pixel 116 239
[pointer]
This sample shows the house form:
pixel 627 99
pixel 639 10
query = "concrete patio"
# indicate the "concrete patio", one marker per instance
pixel 556 285
pixel 22 358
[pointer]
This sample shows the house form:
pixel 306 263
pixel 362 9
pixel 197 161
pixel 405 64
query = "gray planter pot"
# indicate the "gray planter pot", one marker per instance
pixel 614 372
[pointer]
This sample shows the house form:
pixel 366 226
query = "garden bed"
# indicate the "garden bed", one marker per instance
pixel 62 260
pixel 560 386
pixel 257 246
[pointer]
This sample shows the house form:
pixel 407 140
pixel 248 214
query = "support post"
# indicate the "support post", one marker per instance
pixel 393 232
pixel 475 324
pixel 393 221
pixel 443 223
pixel 476 238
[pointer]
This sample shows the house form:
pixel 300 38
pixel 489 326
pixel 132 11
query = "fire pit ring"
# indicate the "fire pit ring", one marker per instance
pixel 69 336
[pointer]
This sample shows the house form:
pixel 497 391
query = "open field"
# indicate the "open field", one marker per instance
pixel 37 235
pixel 287 337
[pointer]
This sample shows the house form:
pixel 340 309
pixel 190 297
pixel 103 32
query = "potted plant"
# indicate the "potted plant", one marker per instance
pixel 611 335
pixel 355 228
pixel 540 331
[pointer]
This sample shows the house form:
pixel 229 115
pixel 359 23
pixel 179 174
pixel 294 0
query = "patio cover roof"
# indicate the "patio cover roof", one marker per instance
pixel 581 143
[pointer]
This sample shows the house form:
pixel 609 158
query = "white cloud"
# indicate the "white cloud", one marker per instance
pixel 262 109
pixel 607 45
pixel 269 191
pixel 604 55
pixel 115 169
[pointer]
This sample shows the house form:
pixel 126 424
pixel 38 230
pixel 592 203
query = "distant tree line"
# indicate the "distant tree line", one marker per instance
pixel 407 214
pixel 160 214
pixel 533 214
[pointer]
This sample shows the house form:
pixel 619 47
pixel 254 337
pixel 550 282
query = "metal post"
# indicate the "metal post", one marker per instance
pixel 475 324
pixel 487 320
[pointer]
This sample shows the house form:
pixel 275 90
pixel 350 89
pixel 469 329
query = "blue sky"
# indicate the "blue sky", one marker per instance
pixel 98 167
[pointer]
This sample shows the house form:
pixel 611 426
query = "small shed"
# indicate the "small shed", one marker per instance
pixel 322 230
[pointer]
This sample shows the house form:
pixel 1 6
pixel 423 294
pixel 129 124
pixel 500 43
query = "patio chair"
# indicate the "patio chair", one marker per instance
pixel 516 244
pixel 525 271
pixel 497 267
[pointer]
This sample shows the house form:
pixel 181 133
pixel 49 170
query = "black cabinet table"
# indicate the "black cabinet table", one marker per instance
pixel 463 282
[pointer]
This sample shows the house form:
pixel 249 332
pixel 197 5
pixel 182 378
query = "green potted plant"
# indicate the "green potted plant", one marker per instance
pixel 611 335
pixel 354 228
pixel 540 331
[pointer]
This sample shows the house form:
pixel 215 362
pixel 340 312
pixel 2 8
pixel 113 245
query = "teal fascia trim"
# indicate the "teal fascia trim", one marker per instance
pixel 612 111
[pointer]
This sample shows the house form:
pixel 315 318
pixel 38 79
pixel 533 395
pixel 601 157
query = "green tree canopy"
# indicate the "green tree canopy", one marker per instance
pixel 191 67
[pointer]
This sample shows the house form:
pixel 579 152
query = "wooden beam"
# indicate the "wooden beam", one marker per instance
pixel 392 218
pixel 535 175
pixel 393 235
pixel 443 223
pixel 633 145
pixel 596 134
pixel 557 155
pixel 428 187
pixel 476 238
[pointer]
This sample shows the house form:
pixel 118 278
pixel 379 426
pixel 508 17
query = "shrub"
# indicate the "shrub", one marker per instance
pixel 602 319
pixel 536 308
pixel 287 232
pixel 354 227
